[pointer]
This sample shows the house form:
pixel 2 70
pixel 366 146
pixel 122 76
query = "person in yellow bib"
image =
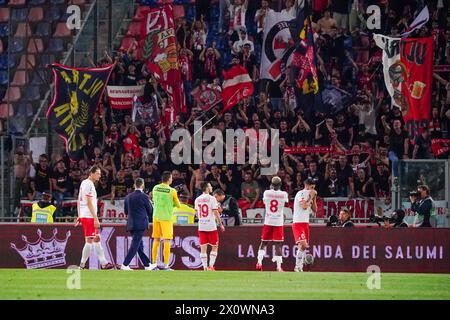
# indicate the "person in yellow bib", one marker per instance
pixel 165 198
pixel 185 214
pixel 42 211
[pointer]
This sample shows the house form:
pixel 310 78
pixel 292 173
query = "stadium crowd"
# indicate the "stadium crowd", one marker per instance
pixel 356 117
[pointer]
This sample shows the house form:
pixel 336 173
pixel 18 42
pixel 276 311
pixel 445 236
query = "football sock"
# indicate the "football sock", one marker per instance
pixel 100 253
pixel 212 258
pixel 261 254
pixel 278 260
pixel 155 249
pixel 204 257
pixel 86 253
pixel 299 258
pixel 166 252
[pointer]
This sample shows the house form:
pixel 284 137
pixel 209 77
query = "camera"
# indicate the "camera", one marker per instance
pixel 333 221
pixel 414 193
pixel 379 220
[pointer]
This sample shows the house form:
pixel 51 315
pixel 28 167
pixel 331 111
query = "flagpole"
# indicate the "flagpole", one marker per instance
pixel 205 124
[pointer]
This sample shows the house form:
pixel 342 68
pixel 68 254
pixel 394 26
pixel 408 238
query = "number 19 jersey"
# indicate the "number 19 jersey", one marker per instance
pixel 274 201
pixel 204 206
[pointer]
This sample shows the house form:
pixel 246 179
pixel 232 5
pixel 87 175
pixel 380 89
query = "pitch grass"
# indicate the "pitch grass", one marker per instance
pixel 221 285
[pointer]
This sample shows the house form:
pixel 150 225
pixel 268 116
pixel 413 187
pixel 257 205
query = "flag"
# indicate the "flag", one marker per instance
pixel 304 58
pixel 418 22
pixel 121 97
pixel 145 112
pixel 77 93
pixel 276 50
pixel 237 85
pixel 206 98
pixel 407 68
pixel 158 48
pixel 440 146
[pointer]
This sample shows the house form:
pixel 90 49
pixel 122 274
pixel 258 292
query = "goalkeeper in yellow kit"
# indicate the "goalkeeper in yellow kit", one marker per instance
pixel 164 200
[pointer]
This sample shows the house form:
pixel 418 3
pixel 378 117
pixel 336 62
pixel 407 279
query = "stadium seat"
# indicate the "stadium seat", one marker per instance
pixel 4 30
pixel 36 14
pixel 126 43
pixel 35 45
pixel 4 78
pixel 12 94
pixel 1 46
pixel 23 30
pixel 56 45
pixel 53 14
pixel 47 59
pixel 36 2
pixel 17 45
pixel 57 1
pixel 13 3
pixel 134 29
pixel 19 14
pixel 4 15
pixel 5 63
pixel 33 93
pixel 27 61
pixel 6 110
pixel 43 29
pixel 24 109
pixel 62 31
pixel 20 78
pixel 39 78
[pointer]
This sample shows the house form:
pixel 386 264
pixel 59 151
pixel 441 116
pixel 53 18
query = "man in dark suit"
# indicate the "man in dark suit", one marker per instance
pixel 138 209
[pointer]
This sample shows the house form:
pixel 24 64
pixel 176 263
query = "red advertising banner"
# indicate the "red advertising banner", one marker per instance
pixel 334 249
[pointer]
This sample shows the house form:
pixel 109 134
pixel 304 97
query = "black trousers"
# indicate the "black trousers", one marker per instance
pixel 137 246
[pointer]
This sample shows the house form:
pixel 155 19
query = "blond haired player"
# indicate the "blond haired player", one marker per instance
pixel 274 200
pixel 304 206
pixel 208 215
pixel 87 216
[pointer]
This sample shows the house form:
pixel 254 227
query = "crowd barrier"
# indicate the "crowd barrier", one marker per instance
pixel 334 249
pixel 360 210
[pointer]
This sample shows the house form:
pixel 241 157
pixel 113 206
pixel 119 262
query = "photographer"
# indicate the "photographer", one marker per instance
pixel 422 205
pixel 344 219
pixel 396 221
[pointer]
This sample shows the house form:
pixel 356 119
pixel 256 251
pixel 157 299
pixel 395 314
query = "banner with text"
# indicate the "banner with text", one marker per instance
pixel 121 97
pixel 334 249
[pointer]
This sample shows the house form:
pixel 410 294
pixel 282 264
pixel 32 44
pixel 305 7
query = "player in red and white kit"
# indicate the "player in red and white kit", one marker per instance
pixel 304 206
pixel 87 216
pixel 274 200
pixel 208 215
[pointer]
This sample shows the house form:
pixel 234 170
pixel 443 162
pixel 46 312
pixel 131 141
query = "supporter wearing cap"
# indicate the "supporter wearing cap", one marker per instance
pixel 42 211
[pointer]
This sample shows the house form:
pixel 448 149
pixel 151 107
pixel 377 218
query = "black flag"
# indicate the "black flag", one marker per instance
pixel 76 95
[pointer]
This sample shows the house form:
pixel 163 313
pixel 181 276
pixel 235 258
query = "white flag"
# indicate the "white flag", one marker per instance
pixel 418 22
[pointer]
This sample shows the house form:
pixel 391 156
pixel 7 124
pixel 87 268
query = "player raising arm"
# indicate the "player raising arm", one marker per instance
pixel 208 215
pixel 304 205
pixel 274 200
pixel 87 215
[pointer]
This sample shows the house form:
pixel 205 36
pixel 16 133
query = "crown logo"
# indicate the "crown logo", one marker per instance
pixel 44 253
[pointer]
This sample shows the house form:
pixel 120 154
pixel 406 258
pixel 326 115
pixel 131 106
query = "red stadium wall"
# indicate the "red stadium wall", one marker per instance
pixel 334 249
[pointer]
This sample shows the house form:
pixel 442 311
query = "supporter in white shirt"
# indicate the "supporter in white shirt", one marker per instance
pixel 243 39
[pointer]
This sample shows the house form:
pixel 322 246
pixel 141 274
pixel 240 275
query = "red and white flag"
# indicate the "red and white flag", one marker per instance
pixel 237 85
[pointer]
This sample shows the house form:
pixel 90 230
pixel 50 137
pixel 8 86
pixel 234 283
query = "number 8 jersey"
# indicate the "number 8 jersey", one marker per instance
pixel 274 201
pixel 204 206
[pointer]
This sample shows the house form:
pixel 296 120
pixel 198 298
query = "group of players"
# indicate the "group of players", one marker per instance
pixel 208 212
